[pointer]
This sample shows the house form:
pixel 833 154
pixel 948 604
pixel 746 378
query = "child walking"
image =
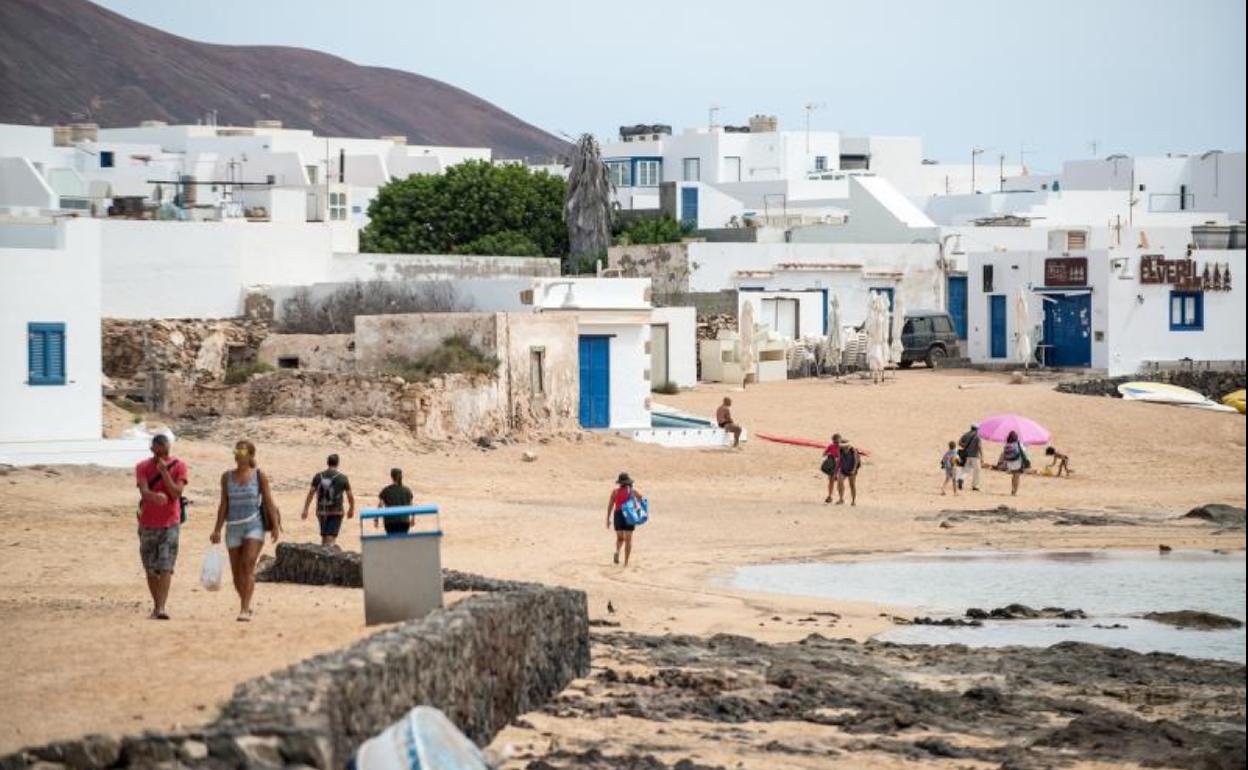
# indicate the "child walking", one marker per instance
pixel 949 463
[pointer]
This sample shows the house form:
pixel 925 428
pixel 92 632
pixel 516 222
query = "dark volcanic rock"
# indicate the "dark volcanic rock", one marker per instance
pixel 1023 612
pixel 1125 738
pixel 1216 513
pixel 1201 621
pixel 596 760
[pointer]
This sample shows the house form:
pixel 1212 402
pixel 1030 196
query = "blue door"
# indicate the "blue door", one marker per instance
pixel 689 206
pixel 957 304
pixel 1068 330
pixel 595 365
pixel 997 345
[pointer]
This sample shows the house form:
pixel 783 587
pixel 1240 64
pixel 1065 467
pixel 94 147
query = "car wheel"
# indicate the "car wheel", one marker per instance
pixel 905 364
pixel 936 356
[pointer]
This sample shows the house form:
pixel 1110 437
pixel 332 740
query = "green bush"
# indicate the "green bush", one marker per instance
pixel 648 231
pixel 451 213
pixel 455 355
pixel 236 375
pixel 508 243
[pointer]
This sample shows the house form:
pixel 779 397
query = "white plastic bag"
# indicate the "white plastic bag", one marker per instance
pixel 214 565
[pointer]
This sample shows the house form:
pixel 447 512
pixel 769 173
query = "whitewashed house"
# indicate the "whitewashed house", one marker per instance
pixel 50 386
pixel 1156 302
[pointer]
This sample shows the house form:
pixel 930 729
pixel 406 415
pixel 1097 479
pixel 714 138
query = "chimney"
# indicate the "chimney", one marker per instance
pixel 762 124
pixel 84 132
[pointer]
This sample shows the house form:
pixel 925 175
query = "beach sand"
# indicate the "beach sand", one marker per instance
pixel 83 658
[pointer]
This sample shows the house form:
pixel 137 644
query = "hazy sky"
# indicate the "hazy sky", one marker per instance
pixel 1136 76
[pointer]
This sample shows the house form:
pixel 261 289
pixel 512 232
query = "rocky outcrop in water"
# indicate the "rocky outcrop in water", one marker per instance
pixel 1194 619
pixel 1023 612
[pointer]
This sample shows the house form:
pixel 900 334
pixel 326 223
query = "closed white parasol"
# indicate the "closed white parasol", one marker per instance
pixel 835 342
pixel 896 348
pixel 877 335
pixel 1022 341
pixel 747 345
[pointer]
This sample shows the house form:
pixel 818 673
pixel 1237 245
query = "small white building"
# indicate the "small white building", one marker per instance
pixel 50 389
pixel 614 317
pixel 1152 304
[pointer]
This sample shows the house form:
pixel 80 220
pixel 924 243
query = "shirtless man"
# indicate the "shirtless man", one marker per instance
pixel 723 416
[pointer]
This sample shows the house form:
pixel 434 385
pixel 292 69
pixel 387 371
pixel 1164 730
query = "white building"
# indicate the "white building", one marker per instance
pixel 1151 303
pixel 614 319
pixel 259 173
pixel 50 390
pixel 776 175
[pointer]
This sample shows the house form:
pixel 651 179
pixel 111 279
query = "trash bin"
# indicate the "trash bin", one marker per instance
pixel 402 570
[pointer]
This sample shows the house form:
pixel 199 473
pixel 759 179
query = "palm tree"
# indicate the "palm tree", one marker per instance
pixel 587 205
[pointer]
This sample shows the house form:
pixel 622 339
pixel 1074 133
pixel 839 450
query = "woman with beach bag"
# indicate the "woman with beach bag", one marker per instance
pixel 247 510
pixel 627 509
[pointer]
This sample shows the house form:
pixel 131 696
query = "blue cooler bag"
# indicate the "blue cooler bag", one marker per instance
pixel 636 511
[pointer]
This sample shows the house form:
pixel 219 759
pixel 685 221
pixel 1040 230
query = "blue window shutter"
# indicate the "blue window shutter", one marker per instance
pixel 46 353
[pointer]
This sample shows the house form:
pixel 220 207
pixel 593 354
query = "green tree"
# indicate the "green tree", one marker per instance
pixel 474 207
pixel 652 230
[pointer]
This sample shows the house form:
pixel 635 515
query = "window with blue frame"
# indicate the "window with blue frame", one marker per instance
pixel 649 173
pixel 621 173
pixel 45 353
pixel 821 163
pixel 1187 311
pixel 106 158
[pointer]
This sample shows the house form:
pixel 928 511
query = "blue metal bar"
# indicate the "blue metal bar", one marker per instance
pixel 429 509
pixel 391 535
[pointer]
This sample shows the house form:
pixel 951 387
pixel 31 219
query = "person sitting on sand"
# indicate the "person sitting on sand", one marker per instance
pixel 247 510
pixel 1062 461
pixel 1014 460
pixel 328 487
pixel 723 416
pixel 396 496
pixel 831 463
pixel 847 470
pixel 949 464
pixel 622 493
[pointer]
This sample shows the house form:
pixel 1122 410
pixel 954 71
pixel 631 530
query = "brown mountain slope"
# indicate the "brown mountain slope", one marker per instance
pixel 66 60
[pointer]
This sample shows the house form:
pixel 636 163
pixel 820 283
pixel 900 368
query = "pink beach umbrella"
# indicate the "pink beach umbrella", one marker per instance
pixel 998 427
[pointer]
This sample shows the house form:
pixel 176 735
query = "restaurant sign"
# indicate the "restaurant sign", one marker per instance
pixel 1184 274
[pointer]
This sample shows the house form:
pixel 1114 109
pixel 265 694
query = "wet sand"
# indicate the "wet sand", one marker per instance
pixel 84 659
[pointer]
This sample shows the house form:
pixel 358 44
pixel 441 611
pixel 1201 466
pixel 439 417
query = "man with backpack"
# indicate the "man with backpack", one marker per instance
pixel 971 453
pixel 160 479
pixel 328 488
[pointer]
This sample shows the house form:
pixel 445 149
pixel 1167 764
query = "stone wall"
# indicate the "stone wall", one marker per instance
pixel 1213 384
pixel 666 264
pixel 199 351
pixel 320 352
pixel 452 407
pixel 482 662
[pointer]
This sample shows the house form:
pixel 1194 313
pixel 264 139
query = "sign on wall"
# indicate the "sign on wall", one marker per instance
pixel 1184 274
pixel 1066 271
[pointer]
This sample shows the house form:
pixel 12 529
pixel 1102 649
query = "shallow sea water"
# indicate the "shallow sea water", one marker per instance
pixel 1111 586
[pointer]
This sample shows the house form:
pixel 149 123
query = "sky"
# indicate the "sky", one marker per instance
pixel 1054 80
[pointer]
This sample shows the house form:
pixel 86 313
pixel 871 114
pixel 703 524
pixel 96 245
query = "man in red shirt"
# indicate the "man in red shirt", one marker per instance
pixel 161 479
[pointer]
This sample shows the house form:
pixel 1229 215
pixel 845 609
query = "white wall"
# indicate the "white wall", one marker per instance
pixel 21 186
pixel 1139 332
pixel 57 285
pixel 811 309
pixel 715 208
pixel 682 343
pixel 630 390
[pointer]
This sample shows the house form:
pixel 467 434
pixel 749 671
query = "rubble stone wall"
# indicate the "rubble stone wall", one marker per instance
pixel 453 407
pixel 197 350
pixel 319 352
pixel 1213 384
pixel 483 662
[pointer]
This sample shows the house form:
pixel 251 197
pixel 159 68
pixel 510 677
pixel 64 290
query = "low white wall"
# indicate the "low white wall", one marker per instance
pixel 52 285
pixel 682 343
pixel 811 309
pixel 441 267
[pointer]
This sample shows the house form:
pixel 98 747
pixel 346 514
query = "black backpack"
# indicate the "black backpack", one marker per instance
pixel 328 493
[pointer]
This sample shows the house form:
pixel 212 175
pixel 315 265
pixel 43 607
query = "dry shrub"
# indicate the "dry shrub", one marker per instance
pixel 456 355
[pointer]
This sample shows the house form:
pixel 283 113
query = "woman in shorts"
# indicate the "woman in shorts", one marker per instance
pixel 622 493
pixel 246 511
pixel 1014 459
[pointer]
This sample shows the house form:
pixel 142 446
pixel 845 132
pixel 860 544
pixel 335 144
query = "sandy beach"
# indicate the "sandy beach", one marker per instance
pixel 83 658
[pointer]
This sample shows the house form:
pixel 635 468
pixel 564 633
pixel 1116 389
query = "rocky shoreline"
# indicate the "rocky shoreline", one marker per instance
pixel 1016 708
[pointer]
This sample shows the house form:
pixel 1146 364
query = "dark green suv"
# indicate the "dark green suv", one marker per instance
pixel 928 336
